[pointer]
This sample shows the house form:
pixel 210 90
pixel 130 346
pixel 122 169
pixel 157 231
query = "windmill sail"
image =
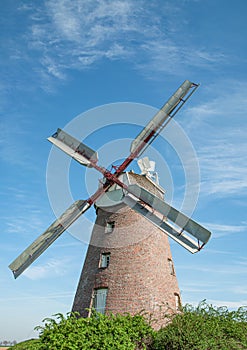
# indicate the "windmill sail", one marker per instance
pixel 74 148
pixel 157 123
pixel 169 219
pixel 26 258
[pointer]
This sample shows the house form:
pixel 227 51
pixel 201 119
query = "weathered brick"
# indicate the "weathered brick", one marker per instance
pixel 139 275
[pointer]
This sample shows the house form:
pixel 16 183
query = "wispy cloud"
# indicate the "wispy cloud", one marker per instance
pixel 239 289
pixel 25 216
pixel 76 35
pixel 200 287
pixel 24 224
pixel 12 144
pixel 49 269
pixel 228 303
pixel 39 297
pixel 218 129
pixel 235 268
pixel 221 230
pixel 223 163
pixel 163 54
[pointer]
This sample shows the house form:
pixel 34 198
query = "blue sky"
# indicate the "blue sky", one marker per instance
pixel 61 58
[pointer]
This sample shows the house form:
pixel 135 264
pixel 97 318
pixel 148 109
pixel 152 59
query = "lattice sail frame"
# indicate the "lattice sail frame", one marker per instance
pixel 167 218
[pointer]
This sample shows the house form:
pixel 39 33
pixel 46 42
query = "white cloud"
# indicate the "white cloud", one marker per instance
pixel 12 144
pixel 217 251
pixel 221 230
pixel 239 289
pixel 163 54
pixel 67 34
pixel 50 269
pixel 76 34
pixel 228 303
pixel 232 268
pixel 218 130
pixel 200 287
pixel 39 297
pixel 26 218
pixel 223 163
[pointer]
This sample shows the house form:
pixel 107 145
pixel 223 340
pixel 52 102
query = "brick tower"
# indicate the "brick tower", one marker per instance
pixel 128 266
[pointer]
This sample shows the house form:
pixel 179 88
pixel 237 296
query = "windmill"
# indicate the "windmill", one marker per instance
pixel 121 195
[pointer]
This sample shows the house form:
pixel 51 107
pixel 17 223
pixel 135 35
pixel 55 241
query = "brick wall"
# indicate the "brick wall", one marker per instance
pixel 139 276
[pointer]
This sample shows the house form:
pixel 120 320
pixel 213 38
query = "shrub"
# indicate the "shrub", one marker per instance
pixel 97 332
pixel 204 327
pixel 195 328
pixel 31 344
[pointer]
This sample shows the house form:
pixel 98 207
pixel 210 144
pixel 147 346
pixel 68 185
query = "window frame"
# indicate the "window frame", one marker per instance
pixel 178 303
pixel 104 261
pixel 96 299
pixel 171 267
pixel 109 227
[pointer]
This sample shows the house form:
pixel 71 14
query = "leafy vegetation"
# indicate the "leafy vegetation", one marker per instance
pixel 97 332
pixel 204 327
pixel 195 328
pixel 31 344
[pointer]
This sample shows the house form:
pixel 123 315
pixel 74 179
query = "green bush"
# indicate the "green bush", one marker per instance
pixel 97 332
pixel 195 328
pixel 31 344
pixel 205 328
